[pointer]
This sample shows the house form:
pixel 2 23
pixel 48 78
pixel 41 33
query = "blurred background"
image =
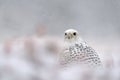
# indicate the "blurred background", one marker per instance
pixel 28 28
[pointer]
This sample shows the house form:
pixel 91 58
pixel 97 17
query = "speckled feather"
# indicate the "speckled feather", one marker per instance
pixel 77 51
pixel 80 53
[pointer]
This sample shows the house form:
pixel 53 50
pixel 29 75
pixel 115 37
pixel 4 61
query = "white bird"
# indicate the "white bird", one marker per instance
pixel 77 51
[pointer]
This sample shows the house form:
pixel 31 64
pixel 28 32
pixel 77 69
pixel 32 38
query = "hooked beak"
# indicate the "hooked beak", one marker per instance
pixel 69 36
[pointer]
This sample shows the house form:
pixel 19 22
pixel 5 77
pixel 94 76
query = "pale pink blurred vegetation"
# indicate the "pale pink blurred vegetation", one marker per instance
pixel 35 57
pixel 32 35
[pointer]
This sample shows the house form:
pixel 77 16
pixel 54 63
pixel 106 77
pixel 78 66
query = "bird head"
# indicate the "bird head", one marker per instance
pixel 71 35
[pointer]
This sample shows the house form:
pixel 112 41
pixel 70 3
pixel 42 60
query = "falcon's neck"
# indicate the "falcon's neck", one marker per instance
pixel 75 41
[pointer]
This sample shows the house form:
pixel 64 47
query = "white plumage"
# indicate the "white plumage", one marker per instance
pixel 77 51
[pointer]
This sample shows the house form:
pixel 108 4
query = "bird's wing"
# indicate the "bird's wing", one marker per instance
pixel 90 54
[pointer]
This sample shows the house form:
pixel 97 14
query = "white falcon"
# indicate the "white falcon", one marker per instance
pixel 77 51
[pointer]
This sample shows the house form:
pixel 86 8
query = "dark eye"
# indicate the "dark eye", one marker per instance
pixel 74 33
pixel 65 33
